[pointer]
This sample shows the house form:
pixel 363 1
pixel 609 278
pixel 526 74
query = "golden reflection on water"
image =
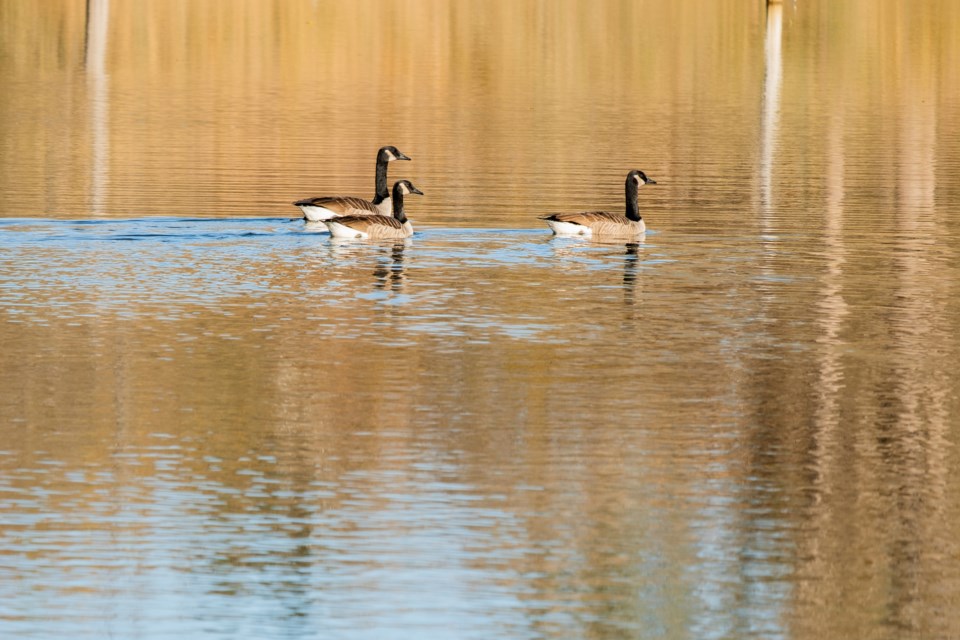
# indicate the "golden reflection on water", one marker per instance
pixel 741 426
pixel 213 113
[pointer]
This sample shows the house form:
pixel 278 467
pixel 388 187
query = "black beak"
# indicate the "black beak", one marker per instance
pixel 400 156
pixel 413 189
pixel 651 181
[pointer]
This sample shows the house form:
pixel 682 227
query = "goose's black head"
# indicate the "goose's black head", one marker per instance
pixel 390 153
pixel 640 178
pixel 403 187
pixel 400 189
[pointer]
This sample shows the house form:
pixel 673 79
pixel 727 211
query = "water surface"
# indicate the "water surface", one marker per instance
pixel 216 422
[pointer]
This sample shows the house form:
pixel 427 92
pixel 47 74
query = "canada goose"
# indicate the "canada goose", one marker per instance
pixel 604 223
pixel 377 227
pixel 326 207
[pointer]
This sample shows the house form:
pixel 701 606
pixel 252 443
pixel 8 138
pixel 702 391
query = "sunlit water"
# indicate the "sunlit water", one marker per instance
pixel 217 422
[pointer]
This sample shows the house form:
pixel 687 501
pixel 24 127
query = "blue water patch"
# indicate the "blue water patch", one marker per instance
pixel 446 281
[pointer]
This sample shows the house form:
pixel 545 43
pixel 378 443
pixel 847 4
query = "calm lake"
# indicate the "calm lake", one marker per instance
pixel 218 423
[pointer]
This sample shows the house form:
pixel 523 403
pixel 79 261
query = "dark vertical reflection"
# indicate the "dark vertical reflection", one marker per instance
pixel 389 270
pixel 918 440
pixel 95 54
pixel 631 262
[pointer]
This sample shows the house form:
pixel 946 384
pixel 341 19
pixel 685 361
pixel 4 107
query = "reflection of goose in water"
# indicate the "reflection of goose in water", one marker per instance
pixel 388 265
pixel 584 247
pixel 389 273
pixel 377 227
pixel 326 207
pixel 605 223
pixel 346 251
pixel 631 262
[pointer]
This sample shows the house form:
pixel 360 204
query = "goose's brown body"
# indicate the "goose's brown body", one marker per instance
pixel 327 207
pixel 589 223
pixel 377 227
pixel 373 227
pixel 605 223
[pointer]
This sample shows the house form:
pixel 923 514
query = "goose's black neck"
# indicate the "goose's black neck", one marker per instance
pixel 382 193
pixel 633 210
pixel 398 204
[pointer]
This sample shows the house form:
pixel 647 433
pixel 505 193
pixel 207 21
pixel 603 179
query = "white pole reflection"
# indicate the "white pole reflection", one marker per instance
pixel 98 21
pixel 827 460
pixel 771 103
pixel 832 310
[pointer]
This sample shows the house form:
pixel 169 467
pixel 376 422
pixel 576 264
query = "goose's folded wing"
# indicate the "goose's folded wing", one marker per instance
pixel 341 205
pixel 589 218
pixel 368 223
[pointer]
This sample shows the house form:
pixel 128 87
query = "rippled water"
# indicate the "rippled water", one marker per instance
pixel 217 422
